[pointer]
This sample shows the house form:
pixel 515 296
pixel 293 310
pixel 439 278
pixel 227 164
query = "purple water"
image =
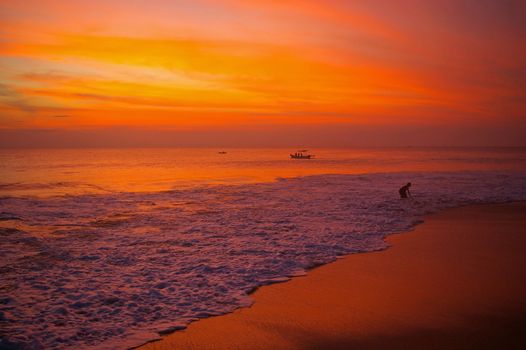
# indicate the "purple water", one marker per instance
pixel 104 261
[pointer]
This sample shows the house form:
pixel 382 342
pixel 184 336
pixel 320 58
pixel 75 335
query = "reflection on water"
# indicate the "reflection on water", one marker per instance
pixel 72 171
pixel 114 267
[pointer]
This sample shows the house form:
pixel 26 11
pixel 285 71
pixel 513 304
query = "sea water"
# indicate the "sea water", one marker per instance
pixel 107 249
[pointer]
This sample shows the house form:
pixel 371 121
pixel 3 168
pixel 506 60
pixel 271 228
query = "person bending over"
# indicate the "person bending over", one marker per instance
pixel 404 191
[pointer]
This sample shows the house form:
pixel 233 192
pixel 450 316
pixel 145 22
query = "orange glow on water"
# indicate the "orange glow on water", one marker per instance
pixel 45 172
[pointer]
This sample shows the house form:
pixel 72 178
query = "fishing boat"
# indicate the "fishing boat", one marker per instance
pixel 301 155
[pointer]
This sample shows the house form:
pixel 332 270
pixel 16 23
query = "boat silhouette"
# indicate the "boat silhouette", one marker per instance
pixel 301 155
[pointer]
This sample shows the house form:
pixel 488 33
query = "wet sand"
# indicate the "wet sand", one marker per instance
pixel 458 281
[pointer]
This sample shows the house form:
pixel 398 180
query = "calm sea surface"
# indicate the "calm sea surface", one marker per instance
pixel 44 172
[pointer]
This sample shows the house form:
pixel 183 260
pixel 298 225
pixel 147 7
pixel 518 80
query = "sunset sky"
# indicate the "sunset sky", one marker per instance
pixel 262 73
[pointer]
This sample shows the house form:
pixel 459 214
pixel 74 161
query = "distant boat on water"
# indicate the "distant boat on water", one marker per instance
pixel 222 152
pixel 301 155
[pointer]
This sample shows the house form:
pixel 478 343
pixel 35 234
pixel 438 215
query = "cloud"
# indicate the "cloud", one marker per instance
pixel 233 62
pixel 13 98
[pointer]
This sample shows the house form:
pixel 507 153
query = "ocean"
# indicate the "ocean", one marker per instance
pixel 109 248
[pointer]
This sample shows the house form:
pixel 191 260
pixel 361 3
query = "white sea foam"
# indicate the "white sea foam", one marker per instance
pixel 113 271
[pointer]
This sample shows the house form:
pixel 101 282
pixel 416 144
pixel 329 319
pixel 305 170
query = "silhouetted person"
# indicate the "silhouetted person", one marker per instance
pixel 404 191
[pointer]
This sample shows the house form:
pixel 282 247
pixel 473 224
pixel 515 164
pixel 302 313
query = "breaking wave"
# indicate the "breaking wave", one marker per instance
pixel 106 271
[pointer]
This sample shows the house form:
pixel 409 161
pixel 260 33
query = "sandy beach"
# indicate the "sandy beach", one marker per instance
pixel 229 175
pixel 457 281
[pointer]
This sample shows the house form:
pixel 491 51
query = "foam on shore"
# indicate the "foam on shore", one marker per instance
pixel 112 271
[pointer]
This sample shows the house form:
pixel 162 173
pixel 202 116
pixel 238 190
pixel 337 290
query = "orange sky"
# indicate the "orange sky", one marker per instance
pixel 224 65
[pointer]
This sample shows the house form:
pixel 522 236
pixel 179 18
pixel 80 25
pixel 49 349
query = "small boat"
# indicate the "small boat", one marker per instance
pixel 221 152
pixel 301 155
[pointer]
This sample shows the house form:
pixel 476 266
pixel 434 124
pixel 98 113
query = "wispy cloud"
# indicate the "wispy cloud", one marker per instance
pixel 234 62
pixel 12 98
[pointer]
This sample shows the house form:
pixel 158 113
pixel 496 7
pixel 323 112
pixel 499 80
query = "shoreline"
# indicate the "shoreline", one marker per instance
pixel 307 317
pixel 159 260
